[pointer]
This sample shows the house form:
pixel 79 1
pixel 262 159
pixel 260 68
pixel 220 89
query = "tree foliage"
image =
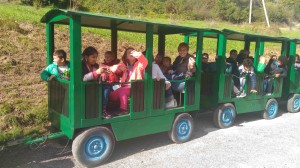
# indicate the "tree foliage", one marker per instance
pixel 235 11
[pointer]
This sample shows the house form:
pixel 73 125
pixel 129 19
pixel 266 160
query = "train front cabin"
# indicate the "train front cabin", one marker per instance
pixel 75 106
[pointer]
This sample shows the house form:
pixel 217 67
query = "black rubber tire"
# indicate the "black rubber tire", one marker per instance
pixel 294 98
pixel 271 109
pixel 230 117
pixel 182 129
pixel 88 140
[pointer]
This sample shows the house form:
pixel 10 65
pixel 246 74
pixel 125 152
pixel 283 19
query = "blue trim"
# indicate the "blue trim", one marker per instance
pixel 227 116
pixel 183 129
pixel 296 103
pixel 272 109
pixel 96 147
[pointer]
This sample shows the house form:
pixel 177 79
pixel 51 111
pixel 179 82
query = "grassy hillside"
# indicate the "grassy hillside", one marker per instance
pixel 23 95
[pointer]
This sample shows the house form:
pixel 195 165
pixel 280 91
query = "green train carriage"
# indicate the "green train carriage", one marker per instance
pixel 75 106
pixel 291 87
pixel 216 87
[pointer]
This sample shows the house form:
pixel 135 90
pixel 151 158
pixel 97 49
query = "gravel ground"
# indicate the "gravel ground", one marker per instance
pixel 251 142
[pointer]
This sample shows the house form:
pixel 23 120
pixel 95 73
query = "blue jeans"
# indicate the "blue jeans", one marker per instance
pixel 178 86
pixel 105 95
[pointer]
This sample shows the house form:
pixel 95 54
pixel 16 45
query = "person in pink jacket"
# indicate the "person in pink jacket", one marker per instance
pixel 133 66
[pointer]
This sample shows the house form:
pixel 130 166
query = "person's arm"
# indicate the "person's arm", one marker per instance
pixel 157 73
pixel 90 76
pixel 140 58
pixel 45 75
pixel 284 73
pixel 261 67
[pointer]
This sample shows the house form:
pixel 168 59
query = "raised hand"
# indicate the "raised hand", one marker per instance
pixel 135 54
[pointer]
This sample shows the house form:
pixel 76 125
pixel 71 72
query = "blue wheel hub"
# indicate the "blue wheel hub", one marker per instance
pixel 95 147
pixel 227 116
pixel 183 129
pixel 296 104
pixel 272 109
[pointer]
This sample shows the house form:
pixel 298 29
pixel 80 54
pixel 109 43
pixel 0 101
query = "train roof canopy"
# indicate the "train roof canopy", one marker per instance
pixel 239 36
pixel 59 16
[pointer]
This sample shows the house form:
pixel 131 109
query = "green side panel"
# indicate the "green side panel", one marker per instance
pixel 243 105
pixel 135 128
pixel 75 72
pixel 61 122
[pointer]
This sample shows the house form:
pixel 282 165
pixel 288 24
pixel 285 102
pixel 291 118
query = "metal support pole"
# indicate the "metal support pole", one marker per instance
pixel 266 15
pixel 250 12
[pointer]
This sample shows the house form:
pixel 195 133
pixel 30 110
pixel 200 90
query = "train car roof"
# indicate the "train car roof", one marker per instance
pixel 239 36
pixel 60 16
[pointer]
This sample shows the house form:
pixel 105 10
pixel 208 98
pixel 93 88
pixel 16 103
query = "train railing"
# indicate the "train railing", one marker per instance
pixel 59 96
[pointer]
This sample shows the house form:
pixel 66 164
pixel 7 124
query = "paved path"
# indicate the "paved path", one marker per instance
pixel 251 142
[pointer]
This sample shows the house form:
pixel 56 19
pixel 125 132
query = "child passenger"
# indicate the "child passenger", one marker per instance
pixel 90 68
pixel 166 65
pixel 110 75
pixel 58 69
pixel 157 74
pixel 133 67
pixel 276 71
pixel 180 66
pixel 247 69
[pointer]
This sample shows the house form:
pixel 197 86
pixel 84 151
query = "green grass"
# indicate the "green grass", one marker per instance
pixel 22 13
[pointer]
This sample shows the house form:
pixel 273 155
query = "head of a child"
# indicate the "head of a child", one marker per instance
pixel 233 54
pixel 59 57
pixel 282 61
pixel 90 55
pixel 183 49
pixel 127 58
pixel 247 63
pixel 166 61
pixel 273 57
pixel 158 59
pixel 109 57
pixel 205 58
pixel 245 52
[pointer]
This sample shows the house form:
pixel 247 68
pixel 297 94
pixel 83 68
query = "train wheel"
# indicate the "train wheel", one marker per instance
pixel 94 146
pixel 271 109
pixel 293 104
pixel 182 128
pixel 224 115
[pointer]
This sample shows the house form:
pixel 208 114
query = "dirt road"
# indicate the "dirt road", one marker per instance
pixel 251 142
